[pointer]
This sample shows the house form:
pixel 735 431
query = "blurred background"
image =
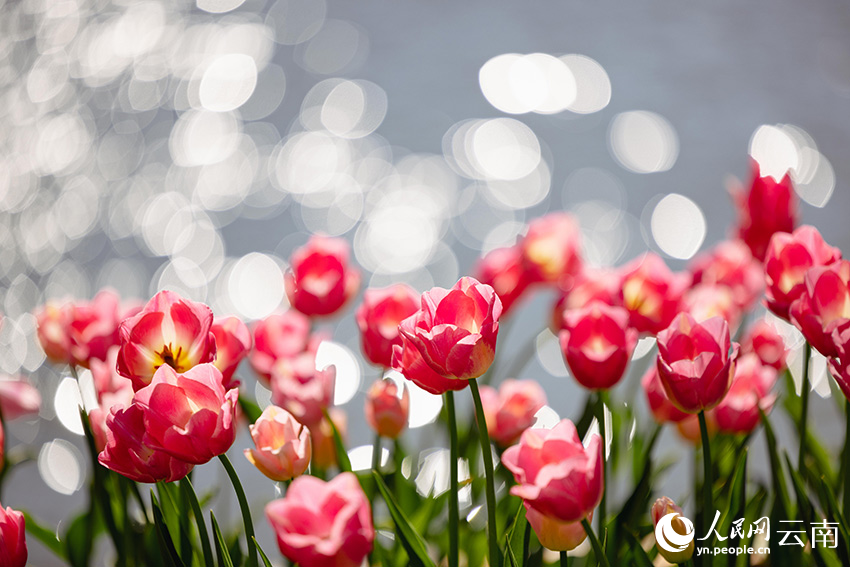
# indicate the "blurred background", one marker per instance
pixel 193 146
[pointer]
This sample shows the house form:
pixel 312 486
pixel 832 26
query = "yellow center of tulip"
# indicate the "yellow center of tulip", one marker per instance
pixel 176 359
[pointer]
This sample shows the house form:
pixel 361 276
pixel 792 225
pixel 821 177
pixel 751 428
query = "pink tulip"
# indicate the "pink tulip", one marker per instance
pixel 301 389
pixel 128 453
pixel 591 284
pixel 659 404
pixel 789 257
pixel 386 412
pixel 696 362
pixel 767 208
pixel 168 331
pixel 409 361
pixel 324 449
pixel 232 344
pixel 320 280
pixel 764 340
pixel 510 410
pixel 504 271
pixel 651 293
pixel 551 248
pixel 555 474
pixel 823 306
pixel 750 391
pixel 280 335
pixel 731 264
pixel 190 416
pixel 323 524
pixel 554 534
pixel 18 398
pixel 283 447
pixel 704 301
pixel 455 329
pixel 378 318
pixel 13 544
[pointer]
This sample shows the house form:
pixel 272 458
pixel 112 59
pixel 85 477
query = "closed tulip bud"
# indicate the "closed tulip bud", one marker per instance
pixel 765 341
pixel 232 344
pixel 503 270
pixel 731 264
pixel 301 389
pixel 682 552
pixel 555 534
pixel 749 393
pixel 696 362
pixel 320 280
pixel 378 318
pixel 386 411
pixel 13 544
pixel 18 398
pixel 769 207
pixel 652 294
pixel 597 344
pixel 662 409
pixel 551 248
pixel 282 445
pixel 789 257
pixel 190 416
pixel 555 474
pixel 168 331
pixel 280 335
pixel 324 449
pixel 323 524
pixel 511 409
pixel 455 329
pixel 823 306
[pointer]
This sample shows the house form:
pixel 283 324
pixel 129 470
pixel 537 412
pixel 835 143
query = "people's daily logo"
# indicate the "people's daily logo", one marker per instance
pixel 668 538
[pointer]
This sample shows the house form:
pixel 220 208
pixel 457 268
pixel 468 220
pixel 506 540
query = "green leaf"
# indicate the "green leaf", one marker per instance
pixel 827 498
pixel 192 497
pixel 342 459
pixel 169 552
pixel 413 543
pixel 262 553
pixel 45 535
pixel 220 546
pixel 806 509
pixel 641 559
pixel 780 489
pixel 737 488
pixel 250 408
pixel 79 539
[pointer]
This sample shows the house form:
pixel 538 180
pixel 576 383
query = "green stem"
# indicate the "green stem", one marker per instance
pixel 189 493
pixel 454 546
pixel 846 494
pixel 601 559
pixel 601 396
pixel 487 454
pixel 804 412
pixel 376 454
pixel 707 506
pixel 246 511
pixel 565 559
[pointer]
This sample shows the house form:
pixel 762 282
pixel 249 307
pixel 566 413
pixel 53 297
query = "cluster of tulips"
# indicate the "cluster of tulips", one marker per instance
pixel 165 376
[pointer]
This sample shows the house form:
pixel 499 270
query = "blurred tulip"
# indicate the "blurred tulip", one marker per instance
pixel 168 331
pixel 731 264
pixel 13 544
pixel 378 318
pixel 455 329
pixel 190 416
pixel 510 410
pixel 283 446
pixel 591 284
pixel 662 507
pixel 301 389
pixel 597 344
pixel 128 453
pixel 386 412
pixel 750 391
pixel 551 248
pixel 662 409
pixel 839 366
pixel 763 339
pixel 767 208
pixel 553 533
pixel 280 335
pixel 823 306
pixel 651 292
pixel 789 257
pixel 696 362
pixel 704 301
pixel 689 430
pixel 320 280
pixel 232 344
pixel 324 449
pixel 323 524
pixel 18 398
pixel 503 270
pixel 555 474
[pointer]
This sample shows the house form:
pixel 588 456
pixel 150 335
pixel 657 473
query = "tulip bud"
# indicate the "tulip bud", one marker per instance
pixel 386 413
pixel 283 446
pixel 551 248
pixel 503 270
pixel 767 208
pixel 823 306
pixel 749 393
pixel 280 335
pixel 511 410
pixel 320 280
pixel 555 534
pixel 651 293
pixel 13 544
pixel 324 449
pixel 378 318
pixel 660 509
pixel 232 344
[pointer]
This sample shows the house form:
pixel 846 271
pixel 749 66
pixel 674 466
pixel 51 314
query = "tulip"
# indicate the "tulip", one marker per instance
pixel 749 393
pixel 661 508
pixel 696 362
pixel 511 409
pixel 280 335
pixel 408 360
pixel 554 534
pixel 651 293
pixel 320 280
pixel 789 257
pixel 764 340
pixel 53 322
pixel 455 329
pixel 13 544
pixel 323 524
pixel 18 398
pixel 551 248
pixel 324 448
pixel 555 474
pixel 767 208
pixel 689 428
pixel 378 318
pixel 731 264
pixel 190 416
pixel 283 446
pixel 592 284
pixel 232 344
pixel 301 389
pixel 168 331
pixel 659 404
pixel 386 412
pixel 823 306
pixel 704 301
pixel 504 271
pixel 128 452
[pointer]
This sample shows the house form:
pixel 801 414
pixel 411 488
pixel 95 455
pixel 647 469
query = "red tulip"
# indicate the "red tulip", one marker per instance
pixel 551 248
pixel 704 301
pixel 455 329
pixel 696 362
pixel 789 257
pixel 591 284
pixel 320 280
pixel 554 534
pixel 301 389
pixel 18 398
pixel 378 318
pixel 13 544
pixel 323 524
pixel 597 343
pixel 283 446
pixel 280 335
pixel 823 306
pixel 232 344
pixel 168 331
pixel 731 264
pixel 662 409
pixel 504 271
pixel 765 341
pixel 750 391
pixel 510 410
pixel 128 453
pixel 651 293
pixel 386 412
pixel 324 449
pixel 190 416
pixel 409 361
pixel 769 207
pixel 840 366
pixel 555 474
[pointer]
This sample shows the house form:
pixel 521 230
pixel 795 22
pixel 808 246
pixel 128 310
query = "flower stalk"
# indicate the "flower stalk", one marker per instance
pixel 490 490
